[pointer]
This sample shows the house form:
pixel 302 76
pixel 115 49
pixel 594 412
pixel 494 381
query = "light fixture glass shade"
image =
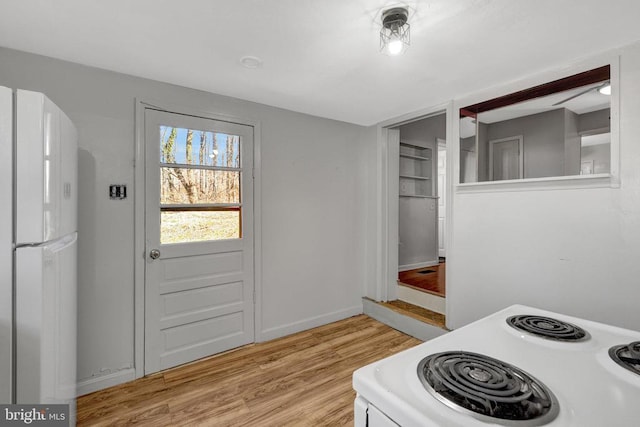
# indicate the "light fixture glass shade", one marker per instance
pixel 394 35
pixel 606 89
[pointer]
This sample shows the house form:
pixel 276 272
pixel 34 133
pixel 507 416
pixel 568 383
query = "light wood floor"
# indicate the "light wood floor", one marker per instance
pixel 416 312
pixel 300 380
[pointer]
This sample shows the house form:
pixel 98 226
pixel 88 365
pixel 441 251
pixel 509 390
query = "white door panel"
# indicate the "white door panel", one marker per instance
pixel 199 289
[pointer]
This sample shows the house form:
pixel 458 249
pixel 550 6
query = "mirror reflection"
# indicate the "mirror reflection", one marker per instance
pixel 566 132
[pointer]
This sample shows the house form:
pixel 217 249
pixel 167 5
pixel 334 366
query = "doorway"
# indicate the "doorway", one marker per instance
pixel 199 237
pixel 422 211
pixel 505 158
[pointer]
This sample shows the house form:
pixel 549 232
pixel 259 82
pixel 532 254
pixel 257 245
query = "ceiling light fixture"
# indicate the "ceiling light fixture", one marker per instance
pixel 605 89
pixel 394 35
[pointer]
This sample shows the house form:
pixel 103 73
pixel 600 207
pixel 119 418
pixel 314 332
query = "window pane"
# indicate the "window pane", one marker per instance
pixel 595 153
pixel 198 226
pixel 193 186
pixel 196 147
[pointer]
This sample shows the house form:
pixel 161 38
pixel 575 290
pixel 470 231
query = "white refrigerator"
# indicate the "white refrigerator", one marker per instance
pixel 38 234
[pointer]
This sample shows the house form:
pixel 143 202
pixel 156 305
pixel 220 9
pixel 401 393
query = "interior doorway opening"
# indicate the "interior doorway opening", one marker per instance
pixel 422 187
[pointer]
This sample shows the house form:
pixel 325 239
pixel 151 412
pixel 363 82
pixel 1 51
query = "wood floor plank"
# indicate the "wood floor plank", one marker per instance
pixel 205 408
pixel 303 379
pixel 433 283
pixel 114 400
pixel 416 312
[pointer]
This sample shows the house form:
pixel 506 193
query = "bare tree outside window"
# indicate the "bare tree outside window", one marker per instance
pixel 200 186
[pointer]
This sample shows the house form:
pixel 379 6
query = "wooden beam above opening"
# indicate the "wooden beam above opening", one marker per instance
pixel 577 80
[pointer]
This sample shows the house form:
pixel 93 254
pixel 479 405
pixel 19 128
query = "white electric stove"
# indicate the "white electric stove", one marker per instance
pixel 518 367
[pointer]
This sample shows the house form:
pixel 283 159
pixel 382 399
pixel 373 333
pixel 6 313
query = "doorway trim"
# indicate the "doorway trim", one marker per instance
pixel 139 216
pixel 442 143
pixel 387 199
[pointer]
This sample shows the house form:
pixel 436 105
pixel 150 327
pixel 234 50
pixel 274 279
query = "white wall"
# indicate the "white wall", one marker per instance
pixel 596 120
pixel 417 233
pixel 569 250
pixel 371 161
pixel 571 144
pixel 425 132
pixel 315 189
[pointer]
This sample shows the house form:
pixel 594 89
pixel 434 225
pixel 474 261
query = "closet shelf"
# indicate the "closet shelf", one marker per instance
pixel 412 156
pixel 415 171
pixel 408 144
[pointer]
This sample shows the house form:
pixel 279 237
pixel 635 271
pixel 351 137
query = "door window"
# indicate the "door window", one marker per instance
pixel 200 196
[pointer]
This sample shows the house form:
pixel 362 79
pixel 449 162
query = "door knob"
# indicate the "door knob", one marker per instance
pixel 154 254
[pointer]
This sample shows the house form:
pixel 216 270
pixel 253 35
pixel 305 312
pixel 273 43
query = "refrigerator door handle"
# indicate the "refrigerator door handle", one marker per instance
pixel 62 243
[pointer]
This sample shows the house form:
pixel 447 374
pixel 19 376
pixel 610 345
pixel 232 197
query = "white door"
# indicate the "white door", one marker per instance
pixel 442 196
pixel 505 158
pixel 199 287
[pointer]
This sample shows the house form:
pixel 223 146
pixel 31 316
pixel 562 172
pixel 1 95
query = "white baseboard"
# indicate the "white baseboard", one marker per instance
pixel 100 383
pixel 402 323
pixel 422 299
pixel 407 267
pixel 312 322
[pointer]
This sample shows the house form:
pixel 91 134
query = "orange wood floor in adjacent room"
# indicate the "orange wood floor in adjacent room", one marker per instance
pixel 433 283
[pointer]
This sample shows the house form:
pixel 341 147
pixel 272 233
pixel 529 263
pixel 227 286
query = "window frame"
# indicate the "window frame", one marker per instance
pixel 205 207
pixel 524 86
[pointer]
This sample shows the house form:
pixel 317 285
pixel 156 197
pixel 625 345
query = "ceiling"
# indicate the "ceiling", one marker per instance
pixel 321 56
pixel 587 99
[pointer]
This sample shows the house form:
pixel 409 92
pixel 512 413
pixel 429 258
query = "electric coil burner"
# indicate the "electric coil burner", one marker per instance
pixel 547 327
pixel 627 356
pixel 487 388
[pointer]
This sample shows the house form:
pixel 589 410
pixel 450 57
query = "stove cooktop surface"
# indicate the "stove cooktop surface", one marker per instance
pixel 590 388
